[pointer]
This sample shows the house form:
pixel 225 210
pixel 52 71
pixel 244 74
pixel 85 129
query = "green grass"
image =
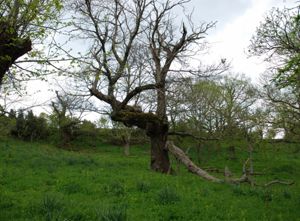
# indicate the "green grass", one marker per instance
pixel 41 182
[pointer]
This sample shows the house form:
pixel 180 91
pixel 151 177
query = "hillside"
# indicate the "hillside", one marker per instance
pixel 41 182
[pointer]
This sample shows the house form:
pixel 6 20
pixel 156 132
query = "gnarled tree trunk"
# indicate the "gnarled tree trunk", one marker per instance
pixel 159 153
pixel 156 129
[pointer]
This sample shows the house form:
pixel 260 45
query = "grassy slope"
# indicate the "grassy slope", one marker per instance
pixel 40 182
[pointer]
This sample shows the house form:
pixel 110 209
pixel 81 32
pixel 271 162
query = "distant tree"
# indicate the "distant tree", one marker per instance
pixel 221 108
pixel 87 130
pixel 12 114
pixel 7 123
pixel 20 125
pixel 30 127
pixel 239 96
pixel 277 40
pixel 64 117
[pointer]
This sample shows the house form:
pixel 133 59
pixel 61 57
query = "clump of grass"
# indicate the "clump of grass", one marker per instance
pixel 168 195
pixel 287 194
pixel 50 208
pixel 5 202
pixel 85 161
pixel 266 195
pixel 113 213
pixel 71 188
pixel 77 217
pixel 238 191
pixel 143 186
pixel 116 188
pixel 286 168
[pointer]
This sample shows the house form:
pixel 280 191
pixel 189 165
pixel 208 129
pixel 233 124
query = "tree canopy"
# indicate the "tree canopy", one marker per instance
pixel 22 22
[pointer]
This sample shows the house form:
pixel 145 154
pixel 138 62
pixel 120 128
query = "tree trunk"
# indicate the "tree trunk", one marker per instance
pixel 126 149
pixel 156 129
pixel 126 141
pixel 160 161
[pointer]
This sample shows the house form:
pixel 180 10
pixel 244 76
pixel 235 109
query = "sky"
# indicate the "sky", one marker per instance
pixel 236 23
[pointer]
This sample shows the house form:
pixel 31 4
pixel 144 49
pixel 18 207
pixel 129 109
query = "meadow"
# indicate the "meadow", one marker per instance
pixel 41 182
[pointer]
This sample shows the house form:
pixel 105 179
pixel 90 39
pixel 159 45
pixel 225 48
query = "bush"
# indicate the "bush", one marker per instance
pixel 6 125
pixel 30 127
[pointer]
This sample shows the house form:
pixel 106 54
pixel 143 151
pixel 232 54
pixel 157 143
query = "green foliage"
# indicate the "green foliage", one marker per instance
pixel 29 18
pixel 30 127
pixel 277 40
pixel 223 108
pixel 7 124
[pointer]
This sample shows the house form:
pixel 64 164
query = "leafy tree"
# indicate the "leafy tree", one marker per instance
pixel 7 124
pixel 21 23
pixel 221 108
pixel 277 39
pixel 20 125
pixel 30 127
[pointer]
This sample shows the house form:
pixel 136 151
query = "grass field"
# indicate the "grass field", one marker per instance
pixel 41 182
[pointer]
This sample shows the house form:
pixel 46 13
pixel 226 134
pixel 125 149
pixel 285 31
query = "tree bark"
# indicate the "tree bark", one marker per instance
pixel 127 149
pixel 160 161
pixel 181 156
pixel 126 142
pixel 156 129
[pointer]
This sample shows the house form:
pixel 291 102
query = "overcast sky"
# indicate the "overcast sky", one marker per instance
pixel 236 23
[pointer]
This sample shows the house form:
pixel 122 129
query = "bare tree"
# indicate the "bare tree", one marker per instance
pixel 68 112
pixel 117 30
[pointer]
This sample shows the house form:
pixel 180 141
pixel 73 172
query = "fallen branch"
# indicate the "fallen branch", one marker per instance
pixel 183 158
pixel 279 182
pixel 245 178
